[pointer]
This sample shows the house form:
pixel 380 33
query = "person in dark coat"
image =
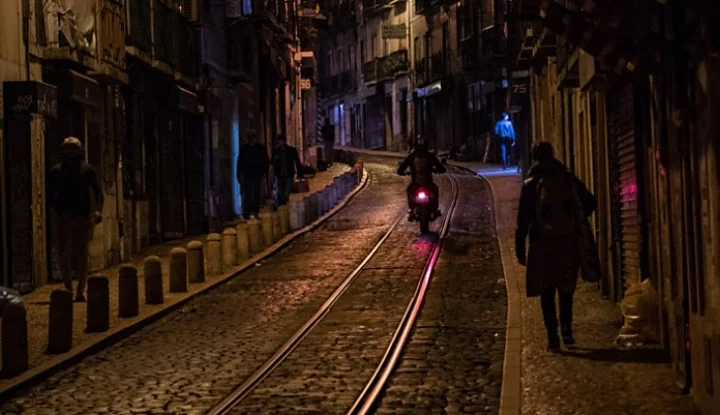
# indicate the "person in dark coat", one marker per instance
pixel 286 163
pixel 76 198
pixel 328 136
pixel 253 163
pixel 553 261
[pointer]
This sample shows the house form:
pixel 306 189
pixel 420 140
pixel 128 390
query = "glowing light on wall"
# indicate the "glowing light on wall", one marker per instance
pixel 235 152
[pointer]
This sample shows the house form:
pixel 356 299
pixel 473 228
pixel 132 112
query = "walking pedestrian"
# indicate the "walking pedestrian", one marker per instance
pixel 553 206
pixel 506 134
pixel 77 200
pixel 328 136
pixel 286 163
pixel 253 163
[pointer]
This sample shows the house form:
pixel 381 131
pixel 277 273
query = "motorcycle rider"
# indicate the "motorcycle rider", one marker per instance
pixel 422 164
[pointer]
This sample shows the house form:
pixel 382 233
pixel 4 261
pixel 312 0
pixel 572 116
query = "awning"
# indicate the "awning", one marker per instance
pixel 81 88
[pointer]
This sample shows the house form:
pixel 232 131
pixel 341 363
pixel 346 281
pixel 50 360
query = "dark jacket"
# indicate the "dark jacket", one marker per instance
pixel 253 161
pixel 286 162
pixel 328 132
pixel 553 261
pixel 70 190
pixel 422 164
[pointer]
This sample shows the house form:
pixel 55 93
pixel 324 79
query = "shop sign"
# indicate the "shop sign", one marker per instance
pixel 30 97
pixel 390 31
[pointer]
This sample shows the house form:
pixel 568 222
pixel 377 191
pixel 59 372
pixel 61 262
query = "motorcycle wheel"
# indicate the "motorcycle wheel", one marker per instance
pixel 424 216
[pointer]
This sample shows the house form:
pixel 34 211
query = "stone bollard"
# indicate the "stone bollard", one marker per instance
pixel 61 322
pixel 277 226
pixel 98 304
pixel 229 249
pixel 128 303
pixel 322 198
pixel 334 192
pixel 284 212
pixel 178 270
pixel 267 229
pixel 214 254
pixel 310 209
pixel 328 202
pixel 152 270
pixel 300 214
pixel 195 262
pixel 15 340
pixel 243 241
pixel 293 215
pixel 255 236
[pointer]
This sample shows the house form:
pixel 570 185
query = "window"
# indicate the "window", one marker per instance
pixel 339 61
pixel 353 63
pixel 372 47
pixel 331 63
pixel 246 7
pixel 417 47
pixel 362 52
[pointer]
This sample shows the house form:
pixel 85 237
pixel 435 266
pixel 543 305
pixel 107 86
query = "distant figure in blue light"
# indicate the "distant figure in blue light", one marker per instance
pixel 506 134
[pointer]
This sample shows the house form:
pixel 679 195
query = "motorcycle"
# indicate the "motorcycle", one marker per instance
pixel 423 210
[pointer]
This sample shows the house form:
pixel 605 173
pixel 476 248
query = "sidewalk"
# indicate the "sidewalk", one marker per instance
pixel 37 302
pixel 594 378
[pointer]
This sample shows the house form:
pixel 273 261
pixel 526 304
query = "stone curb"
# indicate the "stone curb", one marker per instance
pixel 511 392
pixel 126 328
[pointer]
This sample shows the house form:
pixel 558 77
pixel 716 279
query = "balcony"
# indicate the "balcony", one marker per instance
pixel 162 23
pixel 370 7
pixel 140 26
pixel 391 66
pixel 338 84
pixel 439 66
pixel 422 71
pixel 184 59
pixel 478 50
pixel 370 71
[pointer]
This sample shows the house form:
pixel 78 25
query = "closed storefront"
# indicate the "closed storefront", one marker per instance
pixel 375 122
pixel 625 195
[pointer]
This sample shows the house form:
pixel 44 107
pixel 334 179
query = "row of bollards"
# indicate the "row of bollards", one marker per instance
pixel 189 265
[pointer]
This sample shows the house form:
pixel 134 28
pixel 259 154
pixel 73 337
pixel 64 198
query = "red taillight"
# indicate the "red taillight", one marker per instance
pixel 422 196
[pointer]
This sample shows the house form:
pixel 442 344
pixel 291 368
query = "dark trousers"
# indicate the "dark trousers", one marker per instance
pixel 284 187
pixel 251 195
pixel 547 301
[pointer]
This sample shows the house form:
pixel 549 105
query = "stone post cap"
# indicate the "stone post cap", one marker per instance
pixel 14 310
pixel 229 231
pixel 152 259
pixel 265 214
pixel 127 269
pixel 283 208
pixel 195 246
pixel 61 294
pixel 214 237
pixel 98 279
pixel 175 252
pixel 242 225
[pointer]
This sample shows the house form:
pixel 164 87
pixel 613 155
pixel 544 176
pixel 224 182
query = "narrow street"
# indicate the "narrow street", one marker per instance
pixel 191 359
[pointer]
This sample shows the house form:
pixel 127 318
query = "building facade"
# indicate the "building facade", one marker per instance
pixel 627 96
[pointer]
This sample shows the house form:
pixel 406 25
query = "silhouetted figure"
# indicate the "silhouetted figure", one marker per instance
pixel 506 134
pixel 253 164
pixel 286 163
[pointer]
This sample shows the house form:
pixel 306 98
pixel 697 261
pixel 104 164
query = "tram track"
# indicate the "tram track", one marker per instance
pixel 375 385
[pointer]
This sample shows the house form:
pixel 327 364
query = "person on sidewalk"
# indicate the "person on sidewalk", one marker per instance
pixel 506 134
pixel 286 163
pixel 253 163
pixel 548 213
pixel 328 136
pixel 71 184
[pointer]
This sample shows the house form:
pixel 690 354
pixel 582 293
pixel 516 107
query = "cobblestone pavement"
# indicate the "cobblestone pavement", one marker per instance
pixel 331 366
pixel 186 362
pixel 596 378
pixel 453 362
pixel 37 302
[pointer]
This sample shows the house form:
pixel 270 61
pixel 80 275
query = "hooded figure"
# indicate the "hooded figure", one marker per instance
pixel 77 199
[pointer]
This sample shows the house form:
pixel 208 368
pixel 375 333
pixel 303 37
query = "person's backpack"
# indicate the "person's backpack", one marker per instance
pixel 556 206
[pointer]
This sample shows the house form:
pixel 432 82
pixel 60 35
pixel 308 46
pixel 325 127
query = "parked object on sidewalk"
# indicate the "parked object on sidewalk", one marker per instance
pixel 301 186
pixel 178 270
pixel 98 304
pixel 548 214
pixel 195 262
pixel 8 296
pixel 214 253
pixel 640 309
pixel 61 322
pixel 14 339
pixel 76 198
pixel 128 302
pixel 152 271
pixel 308 171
